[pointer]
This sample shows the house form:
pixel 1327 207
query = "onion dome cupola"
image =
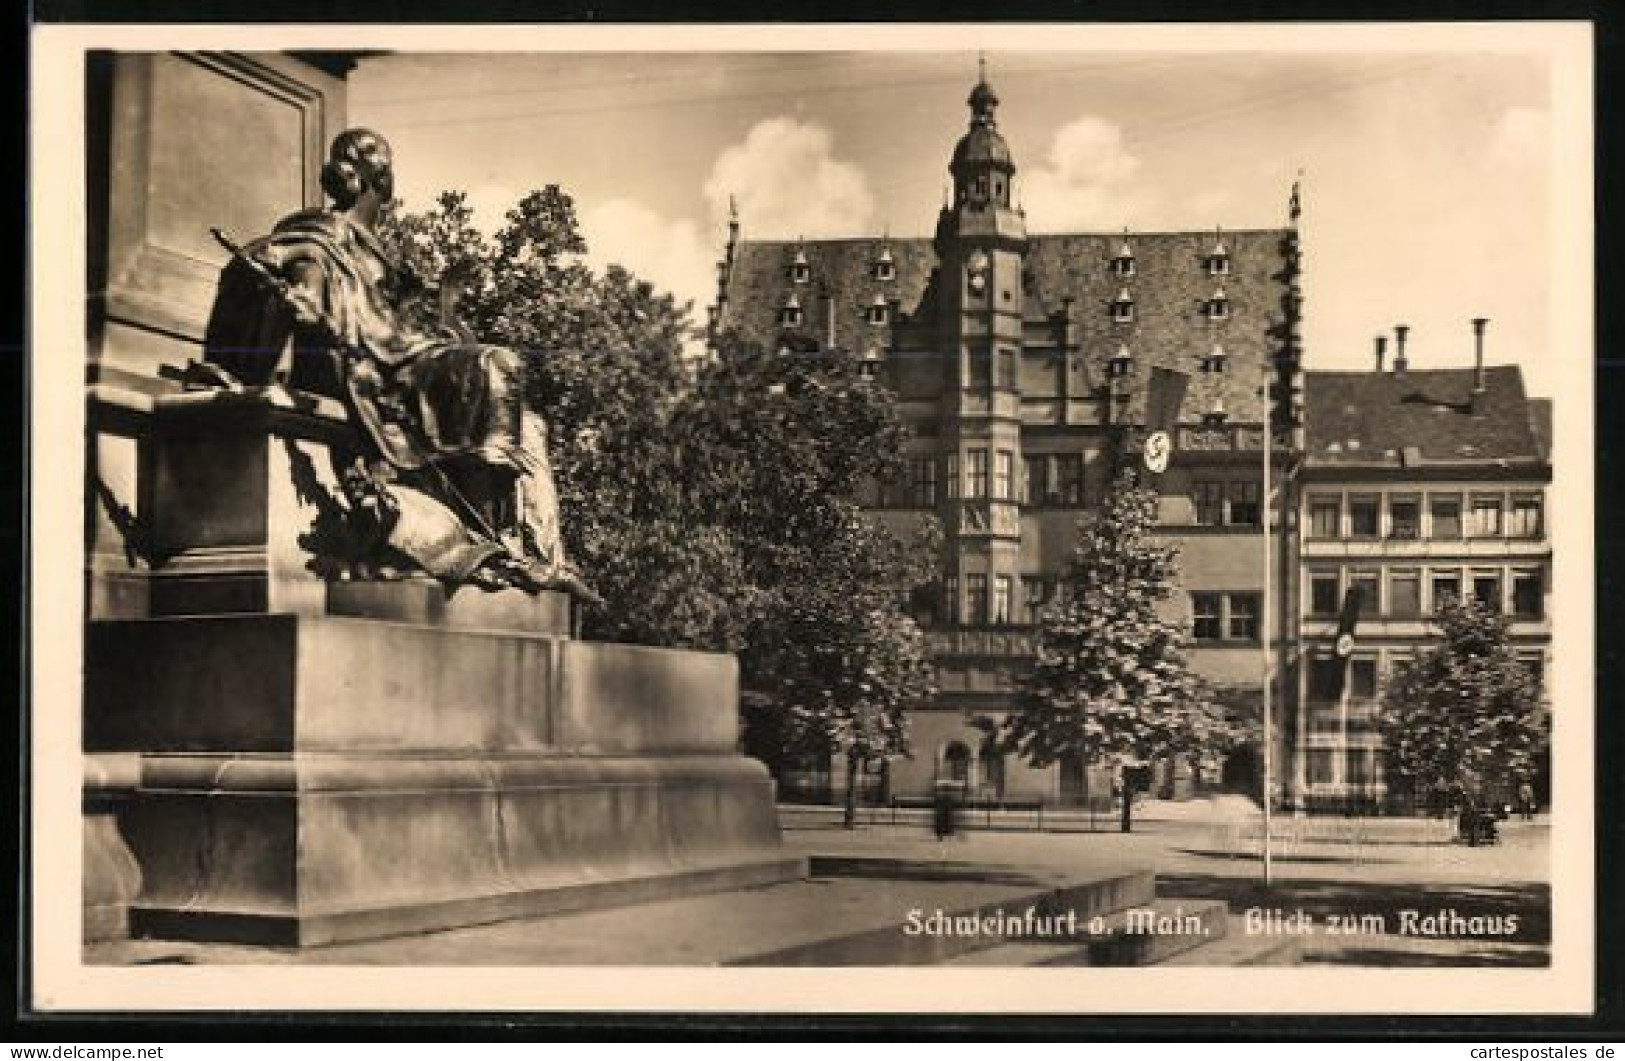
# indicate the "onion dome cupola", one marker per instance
pixel 981 165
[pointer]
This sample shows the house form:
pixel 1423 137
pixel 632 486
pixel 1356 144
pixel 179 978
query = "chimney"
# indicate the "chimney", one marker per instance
pixel 1478 354
pixel 1382 352
pixel 1400 364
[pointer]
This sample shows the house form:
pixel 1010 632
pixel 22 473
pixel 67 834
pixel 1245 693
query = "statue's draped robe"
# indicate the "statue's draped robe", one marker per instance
pixel 426 403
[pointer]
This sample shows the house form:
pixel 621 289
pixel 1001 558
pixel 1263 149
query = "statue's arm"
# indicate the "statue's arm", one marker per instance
pixel 306 295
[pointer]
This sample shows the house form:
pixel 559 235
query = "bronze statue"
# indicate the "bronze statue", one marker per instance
pixel 451 470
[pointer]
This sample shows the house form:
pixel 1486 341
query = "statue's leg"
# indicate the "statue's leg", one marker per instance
pixel 437 537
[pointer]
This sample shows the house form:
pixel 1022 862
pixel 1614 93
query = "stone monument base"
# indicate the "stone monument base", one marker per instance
pixel 274 758
pixel 314 780
pixel 306 850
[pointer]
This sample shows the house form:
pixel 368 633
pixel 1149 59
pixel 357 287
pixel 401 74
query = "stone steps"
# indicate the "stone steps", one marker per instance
pixel 848 912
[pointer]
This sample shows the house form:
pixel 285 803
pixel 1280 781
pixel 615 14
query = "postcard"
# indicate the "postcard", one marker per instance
pixel 812 518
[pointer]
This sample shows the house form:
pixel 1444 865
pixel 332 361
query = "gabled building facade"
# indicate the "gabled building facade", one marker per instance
pixel 1022 361
pixel 1416 486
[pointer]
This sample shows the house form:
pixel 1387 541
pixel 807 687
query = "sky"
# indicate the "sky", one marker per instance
pixel 1427 170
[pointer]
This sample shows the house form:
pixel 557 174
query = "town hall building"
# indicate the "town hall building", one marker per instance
pixel 1018 358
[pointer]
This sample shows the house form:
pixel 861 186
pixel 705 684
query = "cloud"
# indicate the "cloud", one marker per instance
pixel 1086 180
pixel 788 182
pixel 670 254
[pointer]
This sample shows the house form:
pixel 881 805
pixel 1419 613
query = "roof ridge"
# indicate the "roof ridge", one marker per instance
pixel 1135 234
pixel 1357 373
pixel 797 241
pixel 895 238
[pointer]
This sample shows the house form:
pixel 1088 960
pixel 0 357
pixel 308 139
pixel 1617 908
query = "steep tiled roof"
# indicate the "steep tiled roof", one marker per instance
pixel 1170 287
pixel 834 298
pixel 1373 418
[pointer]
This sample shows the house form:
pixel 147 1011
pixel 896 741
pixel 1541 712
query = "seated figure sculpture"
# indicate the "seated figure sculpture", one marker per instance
pixel 450 472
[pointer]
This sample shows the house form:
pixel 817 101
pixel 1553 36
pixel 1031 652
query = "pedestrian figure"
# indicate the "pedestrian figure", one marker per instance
pixel 1467 823
pixel 1526 801
pixel 1477 822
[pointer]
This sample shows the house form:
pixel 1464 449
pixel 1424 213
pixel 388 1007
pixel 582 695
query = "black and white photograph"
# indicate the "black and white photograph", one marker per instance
pixel 940 518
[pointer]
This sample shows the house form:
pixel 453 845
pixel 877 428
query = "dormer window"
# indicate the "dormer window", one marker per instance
pixel 1215 413
pixel 878 312
pixel 1217 307
pixel 883 267
pixel 1215 361
pixel 869 364
pixel 1120 364
pixel 1122 263
pixel 790 313
pixel 1218 258
pixel 1123 307
pixel 800 270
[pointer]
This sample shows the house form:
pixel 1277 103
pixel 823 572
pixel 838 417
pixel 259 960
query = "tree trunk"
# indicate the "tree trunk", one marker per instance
pixel 1128 801
pixel 849 819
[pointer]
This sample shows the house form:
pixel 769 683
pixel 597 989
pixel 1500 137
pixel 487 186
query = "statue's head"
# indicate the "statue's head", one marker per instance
pixel 358 160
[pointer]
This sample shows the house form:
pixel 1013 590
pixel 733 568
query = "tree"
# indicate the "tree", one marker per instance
pixel 1111 683
pixel 1464 718
pixel 791 441
pixel 844 672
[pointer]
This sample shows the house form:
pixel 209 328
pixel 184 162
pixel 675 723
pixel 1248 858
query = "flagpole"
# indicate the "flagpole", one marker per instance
pixel 1287 403
pixel 1265 618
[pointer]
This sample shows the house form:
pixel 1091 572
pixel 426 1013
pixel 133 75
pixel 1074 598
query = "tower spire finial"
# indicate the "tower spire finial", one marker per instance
pixel 982 99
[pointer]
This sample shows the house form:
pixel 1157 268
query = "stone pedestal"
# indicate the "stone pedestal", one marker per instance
pixel 299 762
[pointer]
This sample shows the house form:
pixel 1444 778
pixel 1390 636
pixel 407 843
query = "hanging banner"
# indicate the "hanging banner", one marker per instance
pixel 1165 393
